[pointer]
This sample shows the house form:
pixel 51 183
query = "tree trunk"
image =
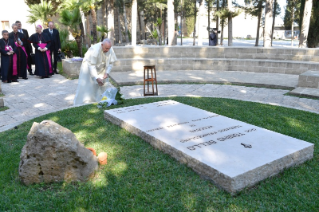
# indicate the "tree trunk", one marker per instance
pixel 194 33
pixel 88 31
pixel 292 25
pixel 125 23
pixel 273 21
pixel 258 22
pixel 119 25
pixel 268 23
pixel 223 23
pixel 170 22
pixel 305 24
pixel 94 22
pixel 208 11
pixel 104 13
pixel 82 27
pixel 79 44
pixel 134 21
pixel 217 21
pixel 230 23
pixel 165 25
pixel 110 20
pixel 140 22
pixel 200 13
pixel 142 25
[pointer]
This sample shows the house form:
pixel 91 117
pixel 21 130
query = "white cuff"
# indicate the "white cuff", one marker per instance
pixel 39 48
pixel 109 68
pixel 45 48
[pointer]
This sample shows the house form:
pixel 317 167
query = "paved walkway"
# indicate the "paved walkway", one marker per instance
pixel 253 94
pixel 35 97
pixel 286 81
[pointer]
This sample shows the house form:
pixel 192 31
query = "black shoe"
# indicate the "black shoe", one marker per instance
pixel 15 80
pixel 9 81
pixel 25 78
pixel 56 72
pixel 30 73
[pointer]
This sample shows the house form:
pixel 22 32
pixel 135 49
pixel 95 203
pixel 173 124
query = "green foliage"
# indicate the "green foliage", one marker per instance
pixel 103 30
pixel 72 19
pixel 292 6
pixel 41 12
pixel 71 49
pixel 313 36
pixel 190 25
pixel 224 13
pixel 139 177
pixel 55 3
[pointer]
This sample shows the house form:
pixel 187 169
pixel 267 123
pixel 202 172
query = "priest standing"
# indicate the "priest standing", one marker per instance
pixel 7 50
pixel 55 44
pixel 28 46
pixel 22 56
pixel 41 43
pixel 96 66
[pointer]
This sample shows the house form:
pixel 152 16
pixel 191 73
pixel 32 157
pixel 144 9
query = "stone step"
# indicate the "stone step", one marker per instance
pixel 309 79
pixel 284 81
pixel 217 64
pixel 306 92
pixel 198 52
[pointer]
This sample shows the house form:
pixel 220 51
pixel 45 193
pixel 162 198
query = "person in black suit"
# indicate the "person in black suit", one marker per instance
pixel 55 47
pixel 28 46
pixel 20 42
pixel 213 38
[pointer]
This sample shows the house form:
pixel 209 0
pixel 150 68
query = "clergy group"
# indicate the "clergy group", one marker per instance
pixel 16 52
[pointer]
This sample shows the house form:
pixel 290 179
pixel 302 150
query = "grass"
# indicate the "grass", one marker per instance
pixel 3 108
pixel 141 178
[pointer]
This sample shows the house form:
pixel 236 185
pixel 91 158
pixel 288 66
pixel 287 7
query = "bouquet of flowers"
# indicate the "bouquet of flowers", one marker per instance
pixel 110 96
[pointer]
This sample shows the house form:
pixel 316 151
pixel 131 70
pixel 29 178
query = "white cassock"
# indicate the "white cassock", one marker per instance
pixel 95 64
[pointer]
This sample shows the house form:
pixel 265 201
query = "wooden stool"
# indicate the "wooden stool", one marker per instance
pixel 149 76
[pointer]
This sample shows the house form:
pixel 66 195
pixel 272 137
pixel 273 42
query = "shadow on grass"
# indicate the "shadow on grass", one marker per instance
pixel 141 178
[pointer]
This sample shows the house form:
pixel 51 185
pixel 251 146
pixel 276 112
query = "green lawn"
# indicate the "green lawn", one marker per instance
pixel 141 178
pixel 3 108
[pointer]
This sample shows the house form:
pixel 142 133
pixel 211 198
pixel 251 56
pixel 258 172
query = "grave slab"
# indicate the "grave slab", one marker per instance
pixel 232 154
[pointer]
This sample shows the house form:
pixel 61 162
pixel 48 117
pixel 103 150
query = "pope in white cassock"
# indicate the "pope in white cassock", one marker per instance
pixel 96 65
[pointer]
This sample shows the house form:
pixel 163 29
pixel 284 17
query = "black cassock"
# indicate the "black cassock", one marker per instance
pixel 43 66
pixel 21 54
pixel 212 39
pixel 7 60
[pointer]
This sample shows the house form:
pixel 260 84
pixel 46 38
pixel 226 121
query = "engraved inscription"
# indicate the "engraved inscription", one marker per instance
pixel 201 129
pixel 231 136
pixel 207 134
pixel 208 143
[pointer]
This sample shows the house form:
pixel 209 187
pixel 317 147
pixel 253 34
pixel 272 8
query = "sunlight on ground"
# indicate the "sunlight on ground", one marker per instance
pixel 39 105
pixel 119 168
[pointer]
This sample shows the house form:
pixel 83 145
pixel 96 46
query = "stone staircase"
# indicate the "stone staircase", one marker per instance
pixel 308 84
pixel 281 64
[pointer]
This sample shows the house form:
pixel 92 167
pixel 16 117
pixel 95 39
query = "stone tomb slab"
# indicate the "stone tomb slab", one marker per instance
pixel 231 153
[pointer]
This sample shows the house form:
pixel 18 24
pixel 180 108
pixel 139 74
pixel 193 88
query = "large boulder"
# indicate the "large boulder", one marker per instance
pixel 52 154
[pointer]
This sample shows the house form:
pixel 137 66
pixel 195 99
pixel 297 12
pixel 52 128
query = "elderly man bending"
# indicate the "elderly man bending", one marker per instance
pixel 96 65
